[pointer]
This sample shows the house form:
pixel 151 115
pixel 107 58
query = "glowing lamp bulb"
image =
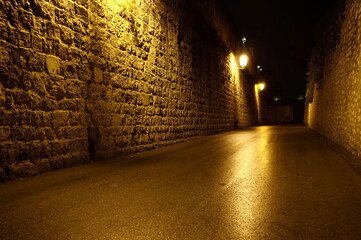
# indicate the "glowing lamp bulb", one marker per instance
pixel 261 86
pixel 243 60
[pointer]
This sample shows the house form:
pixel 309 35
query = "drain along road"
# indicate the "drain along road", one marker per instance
pixel 269 182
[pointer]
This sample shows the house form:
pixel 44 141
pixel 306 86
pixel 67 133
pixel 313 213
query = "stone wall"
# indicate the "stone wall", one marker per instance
pixel 95 79
pixel 333 96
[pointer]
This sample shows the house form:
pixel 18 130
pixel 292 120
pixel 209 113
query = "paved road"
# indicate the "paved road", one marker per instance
pixel 269 182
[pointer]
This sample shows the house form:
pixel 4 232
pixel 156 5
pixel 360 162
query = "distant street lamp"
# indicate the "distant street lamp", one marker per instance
pixel 276 99
pixel 261 86
pixel 244 40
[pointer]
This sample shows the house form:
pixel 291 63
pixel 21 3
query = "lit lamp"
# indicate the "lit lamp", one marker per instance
pixel 243 60
pixel 261 86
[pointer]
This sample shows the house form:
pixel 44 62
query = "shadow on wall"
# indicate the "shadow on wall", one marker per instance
pixel 208 58
pixel 224 100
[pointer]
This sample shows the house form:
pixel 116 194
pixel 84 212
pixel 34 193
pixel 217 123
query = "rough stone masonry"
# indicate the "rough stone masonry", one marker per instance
pixel 334 91
pixel 95 79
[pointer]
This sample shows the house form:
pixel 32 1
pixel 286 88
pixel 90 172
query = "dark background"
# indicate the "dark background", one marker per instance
pixel 281 34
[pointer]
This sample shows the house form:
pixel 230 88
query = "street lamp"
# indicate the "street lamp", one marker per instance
pixel 243 60
pixel 261 86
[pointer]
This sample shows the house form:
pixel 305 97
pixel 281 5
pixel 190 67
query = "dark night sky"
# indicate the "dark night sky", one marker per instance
pixel 282 34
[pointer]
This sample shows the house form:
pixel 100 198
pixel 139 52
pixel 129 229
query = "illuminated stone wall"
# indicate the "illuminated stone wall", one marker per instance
pixel 334 91
pixel 44 72
pixel 95 79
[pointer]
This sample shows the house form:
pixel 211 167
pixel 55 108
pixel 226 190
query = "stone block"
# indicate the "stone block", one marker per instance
pixel 53 65
pixel 84 73
pixel 59 146
pixel 35 150
pixel 4 133
pixel 41 10
pixel 81 12
pixel 60 118
pixel 97 92
pixel 37 82
pixel 66 36
pixel 97 75
pixel 69 160
pixel 23 169
pixel 58 88
pixel 5 53
pixel 82 41
pixel 42 165
pixel 37 43
pixel 48 104
pixel 25 19
pixel 60 50
pixel 56 162
pixel 20 99
pixel 10 78
pixel 24 39
pixel 75 105
pixel 76 89
pixel 78 145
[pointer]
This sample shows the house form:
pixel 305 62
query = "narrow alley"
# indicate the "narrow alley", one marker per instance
pixel 268 182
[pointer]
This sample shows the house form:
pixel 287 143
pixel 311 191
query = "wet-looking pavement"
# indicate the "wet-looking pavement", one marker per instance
pixel 269 182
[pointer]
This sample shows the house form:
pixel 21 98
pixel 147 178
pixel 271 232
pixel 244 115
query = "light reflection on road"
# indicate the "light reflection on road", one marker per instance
pixel 248 203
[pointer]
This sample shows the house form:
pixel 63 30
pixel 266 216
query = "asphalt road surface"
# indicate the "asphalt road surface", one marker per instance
pixel 260 183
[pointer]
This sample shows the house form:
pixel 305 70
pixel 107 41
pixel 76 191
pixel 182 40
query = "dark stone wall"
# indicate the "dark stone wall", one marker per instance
pixel 333 105
pixel 95 79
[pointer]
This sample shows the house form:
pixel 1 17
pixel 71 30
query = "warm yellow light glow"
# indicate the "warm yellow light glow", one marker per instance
pixel 250 177
pixel 115 5
pixel 233 62
pixel 233 66
pixel 261 86
pixel 309 112
pixel 256 90
pixel 243 60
